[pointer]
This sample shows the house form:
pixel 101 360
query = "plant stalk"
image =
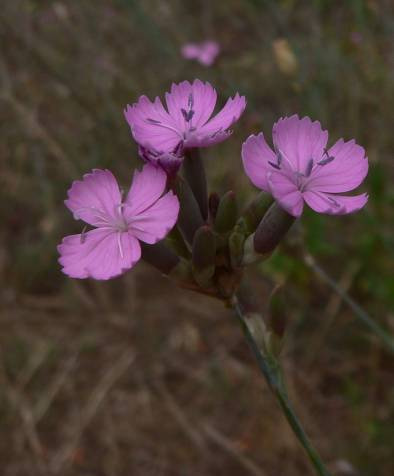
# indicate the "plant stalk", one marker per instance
pixel 270 368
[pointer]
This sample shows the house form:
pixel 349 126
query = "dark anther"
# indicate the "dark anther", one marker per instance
pixel 187 114
pixel 327 160
pixel 309 168
pixel 275 166
pixel 83 235
pixel 152 121
pixel 190 101
pixel 334 202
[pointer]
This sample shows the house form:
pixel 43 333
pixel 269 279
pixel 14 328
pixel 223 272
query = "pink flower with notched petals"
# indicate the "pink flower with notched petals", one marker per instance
pixel 112 247
pixel 187 121
pixel 302 170
pixel 205 52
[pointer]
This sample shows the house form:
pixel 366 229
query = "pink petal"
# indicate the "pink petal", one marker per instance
pixel 208 53
pixel 255 156
pixel 286 193
pixel 225 118
pixel 190 50
pixel 334 204
pixel 299 140
pixel 102 253
pixel 95 198
pixel 152 126
pixel 146 188
pixel 203 99
pixel 345 172
pixel 153 224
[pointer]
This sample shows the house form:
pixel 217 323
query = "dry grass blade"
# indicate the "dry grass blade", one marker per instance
pixel 228 446
pixel 48 397
pixel 18 401
pixel 98 395
pixel 181 418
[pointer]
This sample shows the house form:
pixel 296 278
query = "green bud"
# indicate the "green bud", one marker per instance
pixel 182 272
pixel 236 247
pixel 194 172
pixel 213 204
pixel 177 243
pixel 272 228
pixel 203 256
pixel 227 213
pixel 189 218
pixel 256 210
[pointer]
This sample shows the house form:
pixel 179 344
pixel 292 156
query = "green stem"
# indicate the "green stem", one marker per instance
pixel 194 172
pixel 271 370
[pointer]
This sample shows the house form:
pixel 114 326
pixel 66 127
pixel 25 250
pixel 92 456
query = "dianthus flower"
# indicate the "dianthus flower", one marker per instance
pixel 187 121
pixel 301 168
pixel 113 245
pixel 204 52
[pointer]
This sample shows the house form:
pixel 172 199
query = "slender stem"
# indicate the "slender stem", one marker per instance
pixel 271 370
pixel 194 172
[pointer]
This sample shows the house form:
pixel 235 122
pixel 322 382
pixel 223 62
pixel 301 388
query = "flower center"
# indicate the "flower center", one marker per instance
pixel 301 179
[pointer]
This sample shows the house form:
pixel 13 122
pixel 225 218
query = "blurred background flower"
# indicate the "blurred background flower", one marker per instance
pixel 205 52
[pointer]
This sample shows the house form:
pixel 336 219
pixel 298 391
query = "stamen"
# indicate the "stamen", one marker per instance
pixel 187 115
pixel 216 133
pixel 120 246
pixel 275 166
pixel 83 235
pixel 309 168
pixel 152 121
pixel 190 101
pixel 334 202
pixel 327 160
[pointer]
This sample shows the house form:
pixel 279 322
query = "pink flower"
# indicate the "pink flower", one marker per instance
pixel 205 52
pixel 113 246
pixel 186 123
pixel 302 169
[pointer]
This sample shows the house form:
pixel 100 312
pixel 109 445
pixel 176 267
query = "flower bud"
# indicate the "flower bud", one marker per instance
pixel 272 228
pixel 182 273
pixel 177 243
pixel 203 255
pixel 256 210
pixel 227 212
pixel 213 204
pixel 236 247
pixel 190 218
pixel 194 173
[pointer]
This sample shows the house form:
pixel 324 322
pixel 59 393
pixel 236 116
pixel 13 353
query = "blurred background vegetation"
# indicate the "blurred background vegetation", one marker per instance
pixel 134 376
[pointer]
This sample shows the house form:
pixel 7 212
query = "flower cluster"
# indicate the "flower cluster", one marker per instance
pixel 210 243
